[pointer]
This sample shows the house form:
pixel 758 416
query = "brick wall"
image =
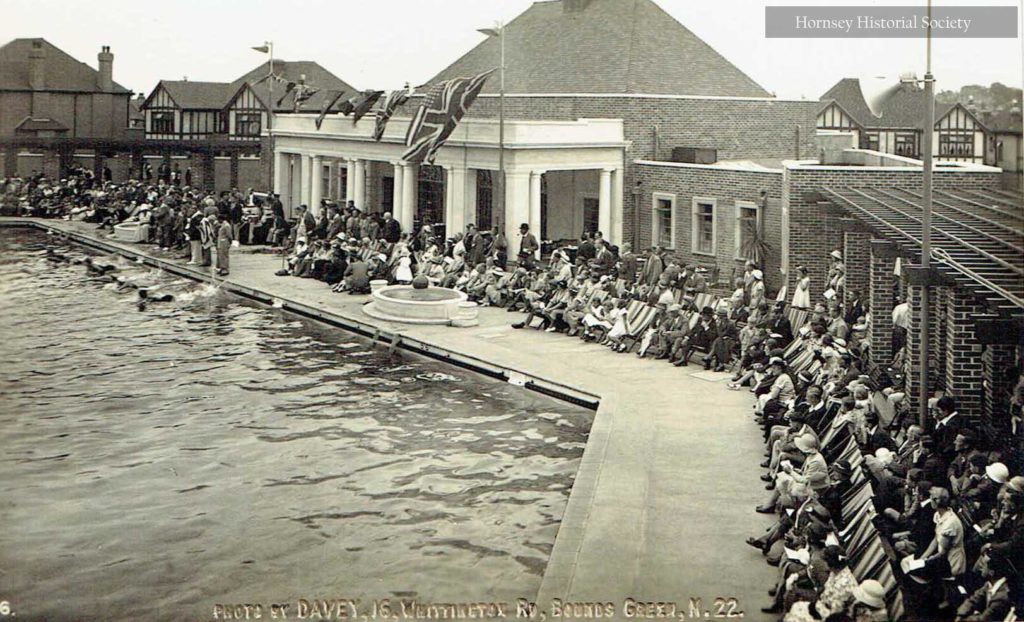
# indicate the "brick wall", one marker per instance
pixel 881 288
pixel 857 255
pixel 963 351
pixel 726 187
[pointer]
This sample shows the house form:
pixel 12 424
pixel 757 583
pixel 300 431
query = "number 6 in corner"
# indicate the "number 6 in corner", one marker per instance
pixel 5 608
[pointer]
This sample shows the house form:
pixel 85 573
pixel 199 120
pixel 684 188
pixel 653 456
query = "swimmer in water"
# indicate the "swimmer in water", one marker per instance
pixel 53 255
pixel 145 299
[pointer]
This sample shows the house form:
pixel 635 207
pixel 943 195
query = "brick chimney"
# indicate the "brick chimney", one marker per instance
pixel 105 81
pixel 37 66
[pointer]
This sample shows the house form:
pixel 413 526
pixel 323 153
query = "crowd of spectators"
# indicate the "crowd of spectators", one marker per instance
pixel 178 218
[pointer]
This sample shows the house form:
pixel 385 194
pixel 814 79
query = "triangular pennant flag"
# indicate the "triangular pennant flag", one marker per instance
pixel 391 103
pixel 364 104
pixel 332 98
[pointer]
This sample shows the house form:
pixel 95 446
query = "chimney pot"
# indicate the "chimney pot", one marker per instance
pixel 105 79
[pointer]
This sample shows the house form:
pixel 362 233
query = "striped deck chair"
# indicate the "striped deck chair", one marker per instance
pixel 855 522
pixel 887 578
pixel 869 559
pixel 797 318
pixel 639 323
pixel 850 452
pixel 836 433
pixel 896 610
pixel 704 300
pixel 856 535
pixel 860 539
pixel 856 502
pixel 792 349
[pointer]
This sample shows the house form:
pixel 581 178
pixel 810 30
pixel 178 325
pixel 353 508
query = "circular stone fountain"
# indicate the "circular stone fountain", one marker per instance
pixel 402 303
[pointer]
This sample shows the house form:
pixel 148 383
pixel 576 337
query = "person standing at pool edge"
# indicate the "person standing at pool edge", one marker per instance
pixel 225 236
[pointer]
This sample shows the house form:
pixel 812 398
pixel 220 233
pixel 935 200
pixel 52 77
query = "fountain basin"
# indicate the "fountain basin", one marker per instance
pixel 402 303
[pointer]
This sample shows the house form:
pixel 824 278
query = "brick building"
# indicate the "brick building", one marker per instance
pixel 867 205
pixel 46 94
pixel 591 86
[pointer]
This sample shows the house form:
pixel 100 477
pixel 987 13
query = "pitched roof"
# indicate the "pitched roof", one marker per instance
pixel 607 46
pixel 63 72
pixel 191 95
pixel 1003 121
pixel 290 71
pixel 847 93
pixel 902 106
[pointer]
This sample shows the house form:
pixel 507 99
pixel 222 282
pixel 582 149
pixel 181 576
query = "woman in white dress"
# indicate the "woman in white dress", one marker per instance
pixel 802 293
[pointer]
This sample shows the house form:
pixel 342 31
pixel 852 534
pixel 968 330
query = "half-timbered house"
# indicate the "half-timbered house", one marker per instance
pixel 899 125
pixel 185 110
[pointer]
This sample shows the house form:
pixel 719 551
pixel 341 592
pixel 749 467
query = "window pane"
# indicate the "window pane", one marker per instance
pixel 705 228
pixel 747 232
pixel 663 222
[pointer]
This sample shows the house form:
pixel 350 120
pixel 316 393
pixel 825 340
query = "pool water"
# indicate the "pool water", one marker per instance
pixel 208 450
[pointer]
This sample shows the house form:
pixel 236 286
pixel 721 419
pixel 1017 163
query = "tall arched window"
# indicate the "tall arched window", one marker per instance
pixel 484 199
pixel 430 202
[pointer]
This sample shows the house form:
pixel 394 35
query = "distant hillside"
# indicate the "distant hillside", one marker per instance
pixel 995 97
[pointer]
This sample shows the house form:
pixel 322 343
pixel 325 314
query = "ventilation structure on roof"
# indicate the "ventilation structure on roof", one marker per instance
pixel 694 155
pixel 574 6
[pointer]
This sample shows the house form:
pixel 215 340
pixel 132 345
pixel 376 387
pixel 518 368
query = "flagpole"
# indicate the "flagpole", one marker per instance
pixel 270 113
pixel 501 123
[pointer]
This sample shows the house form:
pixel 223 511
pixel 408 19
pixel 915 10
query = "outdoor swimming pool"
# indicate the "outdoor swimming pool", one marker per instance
pixel 209 450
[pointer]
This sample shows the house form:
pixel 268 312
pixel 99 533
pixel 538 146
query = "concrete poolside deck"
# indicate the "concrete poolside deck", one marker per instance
pixel 665 493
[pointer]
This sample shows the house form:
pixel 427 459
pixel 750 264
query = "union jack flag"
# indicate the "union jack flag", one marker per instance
pixel 391 103
pixel 445 105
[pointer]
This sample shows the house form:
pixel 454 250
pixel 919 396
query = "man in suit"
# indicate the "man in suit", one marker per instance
pixel 528 245
pixel 993 600
pixel 876 437
pixel 700 336
pixel 392 229
pixel 727 335
pixel 948 424
pixel 855 309
pixel 586 251
pixel 627 264
pixel 779 324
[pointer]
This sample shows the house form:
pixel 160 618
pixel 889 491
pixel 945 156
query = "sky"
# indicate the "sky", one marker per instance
pixel 385 43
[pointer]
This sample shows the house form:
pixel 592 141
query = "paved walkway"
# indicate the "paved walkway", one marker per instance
pixel 665 493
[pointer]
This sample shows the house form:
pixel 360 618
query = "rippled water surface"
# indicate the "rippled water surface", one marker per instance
pixel 208 450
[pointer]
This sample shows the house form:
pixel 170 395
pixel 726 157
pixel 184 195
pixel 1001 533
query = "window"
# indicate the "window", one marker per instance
pixel 956 144
pixel 431 193
pixel 247 124
pixel 591 214
pixel 161 122
pixel 325 181
pixel 663 225
pixel 869 140
pixel 484 199
pixel 704 228
pixel 748 226
pixel 906 144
